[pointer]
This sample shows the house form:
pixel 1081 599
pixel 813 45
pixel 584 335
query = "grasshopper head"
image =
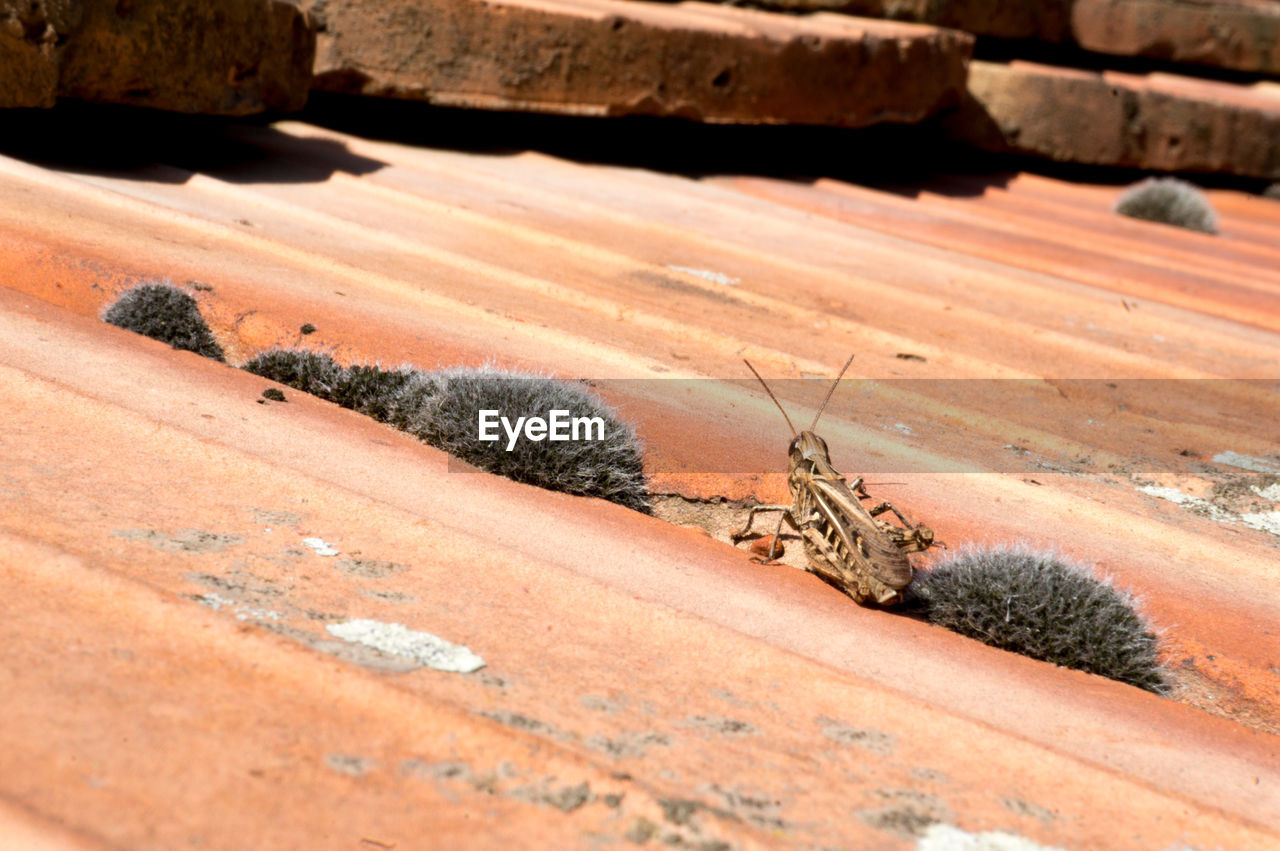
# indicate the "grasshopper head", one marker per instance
pixel 810 456
pixel 807 446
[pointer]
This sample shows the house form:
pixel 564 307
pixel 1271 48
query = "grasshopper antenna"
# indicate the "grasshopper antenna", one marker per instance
pixel 834 385
pixel 771 396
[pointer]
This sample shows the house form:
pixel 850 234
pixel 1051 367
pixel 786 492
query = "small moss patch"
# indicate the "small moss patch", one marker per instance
pixel 1169 201
pixel 1043 606
pixel 310 372
pixel 442 409
pixel 165 313
pixel 369 389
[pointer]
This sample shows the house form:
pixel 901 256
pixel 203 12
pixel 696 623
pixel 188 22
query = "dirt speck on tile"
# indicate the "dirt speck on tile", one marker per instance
pixel 723 726
pixel 369 568
pixel 353 766
pixel 631 745
pixel 876 741
pixel 186 541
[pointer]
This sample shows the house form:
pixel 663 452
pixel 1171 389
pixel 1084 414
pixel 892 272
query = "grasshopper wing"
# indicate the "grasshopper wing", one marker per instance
pixel 850 529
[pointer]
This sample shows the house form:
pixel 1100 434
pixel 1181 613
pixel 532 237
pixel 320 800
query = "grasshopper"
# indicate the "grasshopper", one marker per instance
pixel 847 546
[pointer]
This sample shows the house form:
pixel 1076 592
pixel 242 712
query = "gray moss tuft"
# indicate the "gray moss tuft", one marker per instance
pixel 442 409
pixel 370 389
pixel 310 372
pixel 165 313
pixel 1169 201
pixel 1043 606
pixel 366 388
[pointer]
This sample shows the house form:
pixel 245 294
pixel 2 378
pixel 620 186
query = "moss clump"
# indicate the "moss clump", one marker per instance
pixel 165 313
pixel 1170 201
pixel 1043 606
pixel 442 409
pixel 366 388
pixel 369 389
pixel 310 372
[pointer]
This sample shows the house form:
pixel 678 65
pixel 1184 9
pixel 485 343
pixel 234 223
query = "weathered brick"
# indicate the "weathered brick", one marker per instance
pixel 614 57
pixel 1023 19
pixel 232 57
pixel 1242 35
pixel 1157 121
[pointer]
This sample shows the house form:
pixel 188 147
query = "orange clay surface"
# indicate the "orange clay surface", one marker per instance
pixel 169 679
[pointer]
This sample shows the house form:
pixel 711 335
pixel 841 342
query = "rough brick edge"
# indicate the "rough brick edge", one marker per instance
pixel 613 57
pixel 1160 123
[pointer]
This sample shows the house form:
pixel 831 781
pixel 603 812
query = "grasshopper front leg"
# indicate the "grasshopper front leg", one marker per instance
pixel 751 516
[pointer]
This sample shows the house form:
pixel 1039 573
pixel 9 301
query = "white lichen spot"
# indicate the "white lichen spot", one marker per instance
pixel 243 612
pixel 399 640
pixel 1195 503
pixel 1179 498
pixel 247 612
pixel 1263 521
pixel 706 275
pixel 1246 462
pixel 319 545
pixel 946 837
pixel 1271 492
pixel 215 601
pixel 902 427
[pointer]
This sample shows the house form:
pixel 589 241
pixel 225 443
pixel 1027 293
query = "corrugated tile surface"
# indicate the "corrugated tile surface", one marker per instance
pixel 169 678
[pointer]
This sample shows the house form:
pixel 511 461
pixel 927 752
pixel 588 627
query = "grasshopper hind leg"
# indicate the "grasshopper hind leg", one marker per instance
pixel 888 506
pixel 913 537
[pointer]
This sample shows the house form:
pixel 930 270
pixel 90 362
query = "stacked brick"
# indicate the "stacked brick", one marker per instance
pixel 840 63
pixel 1189 120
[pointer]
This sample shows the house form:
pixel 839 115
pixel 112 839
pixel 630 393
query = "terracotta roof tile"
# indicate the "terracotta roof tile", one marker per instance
pixel 170 675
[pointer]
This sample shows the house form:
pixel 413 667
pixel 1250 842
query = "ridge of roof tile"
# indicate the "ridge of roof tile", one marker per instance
pixel 152 513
